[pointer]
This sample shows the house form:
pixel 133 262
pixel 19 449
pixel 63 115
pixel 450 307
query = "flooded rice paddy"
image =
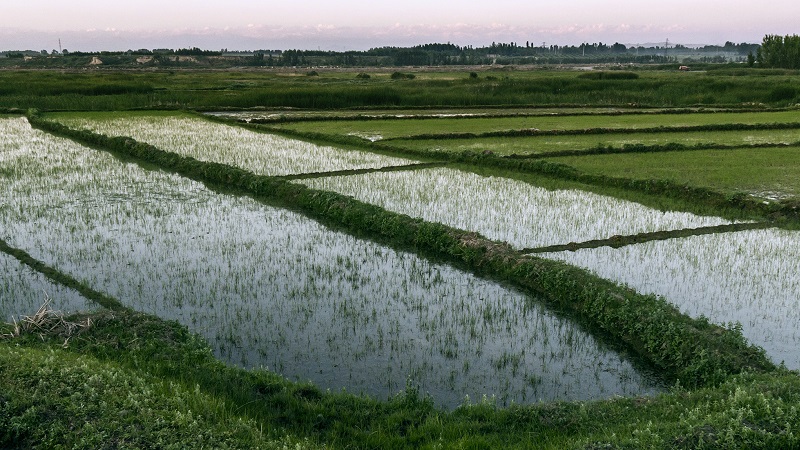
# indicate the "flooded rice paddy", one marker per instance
pixel 23 291
pixel 262 154
pixel 750 277
pixel 503 209
pixel 270 288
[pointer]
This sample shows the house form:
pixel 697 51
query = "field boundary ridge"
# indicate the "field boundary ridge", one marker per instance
pixel 692 351
pixel 622 241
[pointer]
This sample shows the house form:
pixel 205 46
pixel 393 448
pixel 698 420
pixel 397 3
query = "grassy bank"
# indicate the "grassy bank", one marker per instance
pixel 131 380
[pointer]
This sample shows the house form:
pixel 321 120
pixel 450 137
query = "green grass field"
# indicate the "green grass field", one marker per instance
pixel 391 129
pixel 337 89
pixel 764 172
pixel 541 145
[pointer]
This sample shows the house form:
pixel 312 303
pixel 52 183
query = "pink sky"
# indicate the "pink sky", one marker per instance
pixel 355 24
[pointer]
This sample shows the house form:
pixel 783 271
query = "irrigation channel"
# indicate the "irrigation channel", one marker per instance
pixel 269 287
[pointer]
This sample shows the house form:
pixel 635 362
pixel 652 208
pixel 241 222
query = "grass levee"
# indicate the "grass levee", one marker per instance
pixel 693 351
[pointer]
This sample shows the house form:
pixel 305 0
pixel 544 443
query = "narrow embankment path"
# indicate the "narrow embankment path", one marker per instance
pixel 621 241
pixel 60 277
pixel 307 176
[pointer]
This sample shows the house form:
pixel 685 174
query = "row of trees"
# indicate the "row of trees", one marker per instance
pixel 774 52
pixel 779 52
pixel 439 54
pixel 194 51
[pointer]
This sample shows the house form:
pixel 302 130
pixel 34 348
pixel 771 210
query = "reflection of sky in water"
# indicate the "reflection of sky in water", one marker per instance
pixel 268 287
pixel 261 153
pixel 23 291
pixel 507 210
pixel 749 277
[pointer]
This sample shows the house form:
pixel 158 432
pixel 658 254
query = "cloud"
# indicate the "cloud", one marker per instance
pixel 334 37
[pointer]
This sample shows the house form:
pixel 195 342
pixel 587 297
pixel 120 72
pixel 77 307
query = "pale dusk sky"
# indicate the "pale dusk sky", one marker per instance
pixel 91 25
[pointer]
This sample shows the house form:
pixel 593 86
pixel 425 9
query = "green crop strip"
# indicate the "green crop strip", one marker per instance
pixel 60 278
pixel 410 122
pixel 783 212
pixel 599 131
pixel 641 148
pixel 766 174
pixel 693 351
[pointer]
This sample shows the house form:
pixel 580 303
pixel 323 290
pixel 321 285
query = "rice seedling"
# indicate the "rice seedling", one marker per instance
pixel 22 290
pixel 270 288
pixel 524 215
pixel 260 153
pixel 747 278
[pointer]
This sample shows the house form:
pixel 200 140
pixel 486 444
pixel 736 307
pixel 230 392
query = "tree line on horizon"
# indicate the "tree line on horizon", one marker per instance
pixel 781 52
pixel 774 52
pixel 442 54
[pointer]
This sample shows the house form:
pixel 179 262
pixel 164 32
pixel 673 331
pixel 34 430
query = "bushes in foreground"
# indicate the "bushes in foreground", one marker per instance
pixel 131 380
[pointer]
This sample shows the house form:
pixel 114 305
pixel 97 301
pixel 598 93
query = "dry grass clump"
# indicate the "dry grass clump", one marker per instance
pixel 46 322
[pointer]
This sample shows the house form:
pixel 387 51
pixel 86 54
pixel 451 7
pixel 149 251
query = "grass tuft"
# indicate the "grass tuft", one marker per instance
pixel 47 321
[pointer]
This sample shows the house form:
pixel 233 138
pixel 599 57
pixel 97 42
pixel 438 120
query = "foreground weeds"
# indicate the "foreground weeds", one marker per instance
pixel 117 383
pixel 132 380
pixel 48 322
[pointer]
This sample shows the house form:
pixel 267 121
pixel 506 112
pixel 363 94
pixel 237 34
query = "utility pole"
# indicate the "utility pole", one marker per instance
pixel 59 46
pixel 666 47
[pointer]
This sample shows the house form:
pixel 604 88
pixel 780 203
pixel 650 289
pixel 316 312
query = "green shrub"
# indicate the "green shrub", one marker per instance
pixel 402 76
pixel 782 93
pixel 609 76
